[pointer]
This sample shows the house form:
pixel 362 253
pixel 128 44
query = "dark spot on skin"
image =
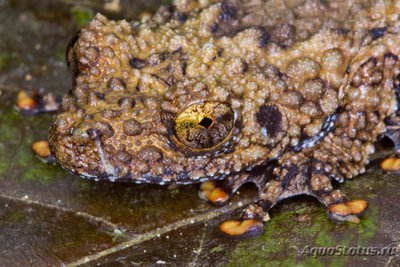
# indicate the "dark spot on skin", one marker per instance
pixel 227 12
pixel 100 96
pixel 270 118
pixel 132 127
pixel 264 39
pixel 343 32
pixel 184 66
pixel 283 34
pixel 105 129
pixel 214 28
pixel 93 133
pixel 88 117
pixel 177 51
pixel 377 32
pixel 139 88
pixel 127 103
pixel 179 17
pixel 137 63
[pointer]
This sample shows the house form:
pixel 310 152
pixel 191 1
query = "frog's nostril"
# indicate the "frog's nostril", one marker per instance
pixel 206 122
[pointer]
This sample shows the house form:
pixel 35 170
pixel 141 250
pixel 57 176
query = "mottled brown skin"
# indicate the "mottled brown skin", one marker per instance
pixel 285 94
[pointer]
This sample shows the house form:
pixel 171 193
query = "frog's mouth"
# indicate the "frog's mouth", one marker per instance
pixel 89 158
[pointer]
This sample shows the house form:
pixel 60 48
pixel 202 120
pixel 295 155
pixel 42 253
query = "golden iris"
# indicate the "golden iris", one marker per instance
pixel 205 125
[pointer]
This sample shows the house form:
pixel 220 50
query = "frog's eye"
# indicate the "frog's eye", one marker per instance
pixel 205 125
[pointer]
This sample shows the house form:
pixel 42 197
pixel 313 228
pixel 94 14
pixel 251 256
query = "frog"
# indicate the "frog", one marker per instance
pixel 290 95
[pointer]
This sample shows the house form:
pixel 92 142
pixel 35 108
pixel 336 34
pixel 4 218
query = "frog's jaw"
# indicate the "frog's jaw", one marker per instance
pixel 85 153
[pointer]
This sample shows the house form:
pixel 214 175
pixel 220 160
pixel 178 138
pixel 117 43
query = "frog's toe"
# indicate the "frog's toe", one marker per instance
pixel 251 223
pixel 42 151
pixel 214 193
pixel 243 228
pixel 347 211
pixel 31 103
pixel 392 163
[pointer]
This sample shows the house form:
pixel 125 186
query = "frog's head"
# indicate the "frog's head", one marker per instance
pixel 159 107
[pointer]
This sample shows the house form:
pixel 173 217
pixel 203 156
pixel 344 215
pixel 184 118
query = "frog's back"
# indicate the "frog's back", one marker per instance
pixel 284 61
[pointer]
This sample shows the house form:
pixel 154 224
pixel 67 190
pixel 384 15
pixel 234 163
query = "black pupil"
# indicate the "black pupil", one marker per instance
pixel 206 122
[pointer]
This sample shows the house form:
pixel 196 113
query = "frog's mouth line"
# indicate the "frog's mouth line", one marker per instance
pixel 259 173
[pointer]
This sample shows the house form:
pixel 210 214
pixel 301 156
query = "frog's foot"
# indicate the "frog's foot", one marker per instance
pixel 340 209
pixel 349 211
pixel 31 103
pixel 251 223
pixel 42 151
pixel 392 163
pixel 214 192
pixel 220 192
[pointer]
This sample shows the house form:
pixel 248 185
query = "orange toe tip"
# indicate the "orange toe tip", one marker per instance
pixel 357 206
pixel 347 211
pixel 242 228
pixel 26 102
pixel 218 195
pixel 41 148
pixel 391 164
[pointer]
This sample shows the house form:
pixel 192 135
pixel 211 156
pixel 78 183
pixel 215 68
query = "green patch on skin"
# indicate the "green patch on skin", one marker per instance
pixel 81 15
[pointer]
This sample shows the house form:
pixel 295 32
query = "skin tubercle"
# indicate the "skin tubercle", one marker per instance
pixel 209 91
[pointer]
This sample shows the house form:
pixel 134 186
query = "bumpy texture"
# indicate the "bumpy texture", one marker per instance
pixel 286 94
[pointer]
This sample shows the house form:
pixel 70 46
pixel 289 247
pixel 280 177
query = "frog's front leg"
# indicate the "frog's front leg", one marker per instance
pixel 220 192
pixel 368 97
pixel 302 173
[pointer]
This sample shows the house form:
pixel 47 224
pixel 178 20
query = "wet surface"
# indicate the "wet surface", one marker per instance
pixel 50 217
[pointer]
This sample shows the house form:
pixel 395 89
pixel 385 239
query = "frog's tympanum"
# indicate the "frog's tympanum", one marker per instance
pixel 287 94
